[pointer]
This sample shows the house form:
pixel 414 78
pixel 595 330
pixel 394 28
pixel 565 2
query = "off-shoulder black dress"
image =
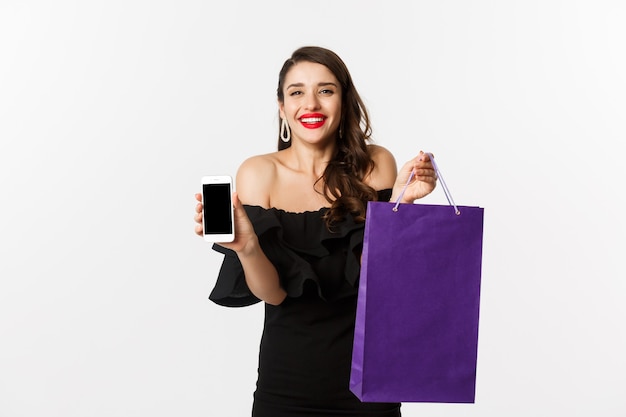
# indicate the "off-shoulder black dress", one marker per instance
pixel 306 347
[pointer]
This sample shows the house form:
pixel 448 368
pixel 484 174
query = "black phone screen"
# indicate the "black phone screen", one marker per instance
pixel 217 209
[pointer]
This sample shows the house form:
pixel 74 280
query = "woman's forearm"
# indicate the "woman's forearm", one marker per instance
pixel 261 275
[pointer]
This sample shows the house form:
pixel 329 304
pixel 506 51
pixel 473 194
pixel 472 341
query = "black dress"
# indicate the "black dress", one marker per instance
pixel 306 348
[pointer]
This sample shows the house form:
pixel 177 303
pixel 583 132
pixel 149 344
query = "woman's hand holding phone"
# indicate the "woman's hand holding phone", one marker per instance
pixel 229 208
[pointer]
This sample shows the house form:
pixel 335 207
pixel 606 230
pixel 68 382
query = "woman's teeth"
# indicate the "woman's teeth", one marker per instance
pixel 312 120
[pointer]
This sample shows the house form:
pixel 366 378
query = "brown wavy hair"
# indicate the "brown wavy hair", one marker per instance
pixel 343 177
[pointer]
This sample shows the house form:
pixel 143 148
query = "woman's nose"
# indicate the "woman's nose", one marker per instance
pixel 312 102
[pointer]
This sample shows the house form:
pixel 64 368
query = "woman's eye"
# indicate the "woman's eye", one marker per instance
pixel 327 91
pixel 295 93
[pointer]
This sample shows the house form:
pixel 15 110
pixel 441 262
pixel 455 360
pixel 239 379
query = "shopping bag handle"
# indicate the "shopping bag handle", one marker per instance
pixel 441 180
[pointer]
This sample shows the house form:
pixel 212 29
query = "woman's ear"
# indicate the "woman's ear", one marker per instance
pixel 281 109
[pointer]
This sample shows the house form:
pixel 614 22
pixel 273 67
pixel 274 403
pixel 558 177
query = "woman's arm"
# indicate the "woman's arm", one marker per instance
pixel 252 183
pixel 261 275
pixel 385 175
pixel 254 179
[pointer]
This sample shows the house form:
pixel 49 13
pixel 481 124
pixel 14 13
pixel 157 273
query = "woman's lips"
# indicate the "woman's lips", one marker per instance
pixel 312 121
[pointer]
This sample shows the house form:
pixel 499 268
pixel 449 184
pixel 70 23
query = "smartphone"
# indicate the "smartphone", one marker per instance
pixel 217 215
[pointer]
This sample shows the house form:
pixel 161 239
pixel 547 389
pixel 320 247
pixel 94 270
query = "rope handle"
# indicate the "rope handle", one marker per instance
pixel 439 177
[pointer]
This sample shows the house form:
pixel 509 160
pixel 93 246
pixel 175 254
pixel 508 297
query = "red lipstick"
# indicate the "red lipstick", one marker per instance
pixel 312 120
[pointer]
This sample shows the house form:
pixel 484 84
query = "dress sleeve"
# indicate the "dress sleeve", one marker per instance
pixel 231 289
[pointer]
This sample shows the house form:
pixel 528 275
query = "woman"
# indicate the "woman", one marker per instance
pixel 299 219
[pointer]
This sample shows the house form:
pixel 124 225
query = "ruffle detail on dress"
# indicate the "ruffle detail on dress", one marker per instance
pixel 304 252
pixel 230 289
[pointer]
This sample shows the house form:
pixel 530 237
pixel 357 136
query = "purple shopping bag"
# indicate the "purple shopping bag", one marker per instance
pixel 416 333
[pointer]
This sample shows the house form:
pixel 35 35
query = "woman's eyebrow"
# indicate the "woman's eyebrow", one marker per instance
pixel 321 84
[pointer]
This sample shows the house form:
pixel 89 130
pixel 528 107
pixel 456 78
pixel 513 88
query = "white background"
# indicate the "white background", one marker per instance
pixel 111 111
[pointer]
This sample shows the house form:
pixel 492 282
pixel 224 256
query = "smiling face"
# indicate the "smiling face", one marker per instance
pixel 312 103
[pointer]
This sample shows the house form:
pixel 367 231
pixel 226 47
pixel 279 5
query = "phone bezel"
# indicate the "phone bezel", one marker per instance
pixel 213 237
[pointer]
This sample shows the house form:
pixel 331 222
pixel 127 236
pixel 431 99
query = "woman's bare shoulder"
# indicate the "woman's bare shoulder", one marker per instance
pixel 385 168
pixel 255 177
pixel 379 152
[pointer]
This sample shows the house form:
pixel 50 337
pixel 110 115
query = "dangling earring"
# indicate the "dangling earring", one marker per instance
pixel 285 131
